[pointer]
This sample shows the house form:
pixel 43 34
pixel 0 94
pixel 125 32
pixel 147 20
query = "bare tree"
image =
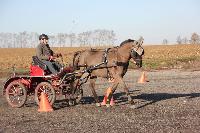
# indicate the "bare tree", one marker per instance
pixel 185 40
pixel 61 39
pixel 111 38
pixel 90 38
pixel 195 39
pixel 165 41
pixel 72 38
pixel 179 40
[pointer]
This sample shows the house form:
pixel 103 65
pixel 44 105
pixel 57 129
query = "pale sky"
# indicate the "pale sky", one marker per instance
pixel 155 20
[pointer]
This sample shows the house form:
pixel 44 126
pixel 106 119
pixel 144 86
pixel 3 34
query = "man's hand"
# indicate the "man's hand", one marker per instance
pixel 51 58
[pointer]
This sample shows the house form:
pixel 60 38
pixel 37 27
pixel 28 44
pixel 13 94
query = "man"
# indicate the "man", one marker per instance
pixel 46 55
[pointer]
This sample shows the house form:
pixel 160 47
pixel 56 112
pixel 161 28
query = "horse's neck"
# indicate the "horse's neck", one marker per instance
pixel 124 52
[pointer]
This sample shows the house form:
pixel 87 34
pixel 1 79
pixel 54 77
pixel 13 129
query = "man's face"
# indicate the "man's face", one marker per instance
pixel 44 41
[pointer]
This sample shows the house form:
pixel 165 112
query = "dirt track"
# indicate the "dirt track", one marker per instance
pixel 170 102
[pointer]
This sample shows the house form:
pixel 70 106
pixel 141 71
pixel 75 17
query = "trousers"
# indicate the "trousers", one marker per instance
pixel 53 66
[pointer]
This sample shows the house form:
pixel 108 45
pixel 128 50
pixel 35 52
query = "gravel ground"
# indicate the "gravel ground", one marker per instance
pixel 170 102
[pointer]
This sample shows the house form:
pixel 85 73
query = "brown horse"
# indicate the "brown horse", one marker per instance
pixel 109 63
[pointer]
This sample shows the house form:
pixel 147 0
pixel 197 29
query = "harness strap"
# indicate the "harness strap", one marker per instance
pixel 105 60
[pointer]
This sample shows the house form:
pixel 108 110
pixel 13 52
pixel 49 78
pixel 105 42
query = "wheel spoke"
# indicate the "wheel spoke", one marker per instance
pixel 16 94
pixel 47 89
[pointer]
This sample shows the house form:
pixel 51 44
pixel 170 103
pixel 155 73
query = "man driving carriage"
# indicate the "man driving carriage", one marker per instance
pixel 47 56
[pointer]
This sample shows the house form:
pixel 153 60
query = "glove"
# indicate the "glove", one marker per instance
pixel 51 58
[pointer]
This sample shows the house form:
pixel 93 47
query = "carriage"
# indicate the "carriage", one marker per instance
pixel 109 63
pixel 18 87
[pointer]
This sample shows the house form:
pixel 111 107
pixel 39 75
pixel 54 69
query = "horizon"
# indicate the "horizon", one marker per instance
pixel 153 20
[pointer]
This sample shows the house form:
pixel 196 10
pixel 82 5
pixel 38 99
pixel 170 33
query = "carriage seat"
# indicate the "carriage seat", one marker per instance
pixel 38 68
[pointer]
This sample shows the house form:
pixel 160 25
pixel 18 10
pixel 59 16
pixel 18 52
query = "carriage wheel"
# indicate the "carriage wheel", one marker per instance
pixel 47 89
pixel 16 94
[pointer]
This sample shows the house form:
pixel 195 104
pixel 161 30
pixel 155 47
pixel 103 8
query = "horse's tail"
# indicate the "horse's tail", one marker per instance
pixel 76 60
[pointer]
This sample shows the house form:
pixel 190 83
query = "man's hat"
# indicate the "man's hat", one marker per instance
pixel 43 36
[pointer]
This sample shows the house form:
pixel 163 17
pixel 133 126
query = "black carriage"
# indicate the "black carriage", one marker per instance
pixel 18 87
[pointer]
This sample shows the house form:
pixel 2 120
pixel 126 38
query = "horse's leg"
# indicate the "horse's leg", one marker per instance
pixel 114 87
pixel 119 79
pixel 92 87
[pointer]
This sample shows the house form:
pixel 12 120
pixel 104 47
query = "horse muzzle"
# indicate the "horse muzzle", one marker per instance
pixel 139 63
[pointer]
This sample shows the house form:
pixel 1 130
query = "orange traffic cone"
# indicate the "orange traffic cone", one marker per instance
pixel 44 106
pixel 108 91
pixel 143 78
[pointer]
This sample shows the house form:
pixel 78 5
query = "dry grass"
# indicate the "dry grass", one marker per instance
pixel 171 56
pixel 22 57
pixel 156 57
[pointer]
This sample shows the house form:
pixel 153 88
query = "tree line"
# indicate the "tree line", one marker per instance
pixel 194 39
pixel 99 37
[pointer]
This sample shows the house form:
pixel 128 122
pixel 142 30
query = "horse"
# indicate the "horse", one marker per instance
pixel 109 63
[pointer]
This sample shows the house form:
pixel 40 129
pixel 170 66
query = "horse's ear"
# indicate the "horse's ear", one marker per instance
pixel 137 44
pixel 140 41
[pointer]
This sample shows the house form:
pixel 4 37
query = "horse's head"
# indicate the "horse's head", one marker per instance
pixel 137 52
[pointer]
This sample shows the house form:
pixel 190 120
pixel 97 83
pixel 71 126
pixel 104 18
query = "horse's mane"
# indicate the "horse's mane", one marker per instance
pixel 126 41
pixel 99 49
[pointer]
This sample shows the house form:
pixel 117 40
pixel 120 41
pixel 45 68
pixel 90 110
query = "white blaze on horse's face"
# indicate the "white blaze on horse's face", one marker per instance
pixel 136 53
pixel 138 48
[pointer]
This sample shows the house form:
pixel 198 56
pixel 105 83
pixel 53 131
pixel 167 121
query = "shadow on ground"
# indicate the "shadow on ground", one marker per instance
pixel 156 97
pixel 121 99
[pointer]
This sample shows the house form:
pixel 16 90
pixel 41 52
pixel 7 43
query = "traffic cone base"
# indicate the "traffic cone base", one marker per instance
pixel 44 105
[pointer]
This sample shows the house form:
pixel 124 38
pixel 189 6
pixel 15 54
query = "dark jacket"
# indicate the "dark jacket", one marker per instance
pixel 43 51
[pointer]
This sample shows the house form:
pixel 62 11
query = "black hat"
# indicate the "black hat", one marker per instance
pixel 43 36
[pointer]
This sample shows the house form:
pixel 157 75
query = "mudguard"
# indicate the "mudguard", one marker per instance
pixel 22 79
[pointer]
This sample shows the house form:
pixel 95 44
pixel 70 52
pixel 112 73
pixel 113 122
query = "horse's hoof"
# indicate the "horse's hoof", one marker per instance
pixel 107 105
pixel 71 103
pixel 98 104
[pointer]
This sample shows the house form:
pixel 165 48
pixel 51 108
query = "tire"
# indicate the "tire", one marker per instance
pixel 47 89
pixel 16 94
